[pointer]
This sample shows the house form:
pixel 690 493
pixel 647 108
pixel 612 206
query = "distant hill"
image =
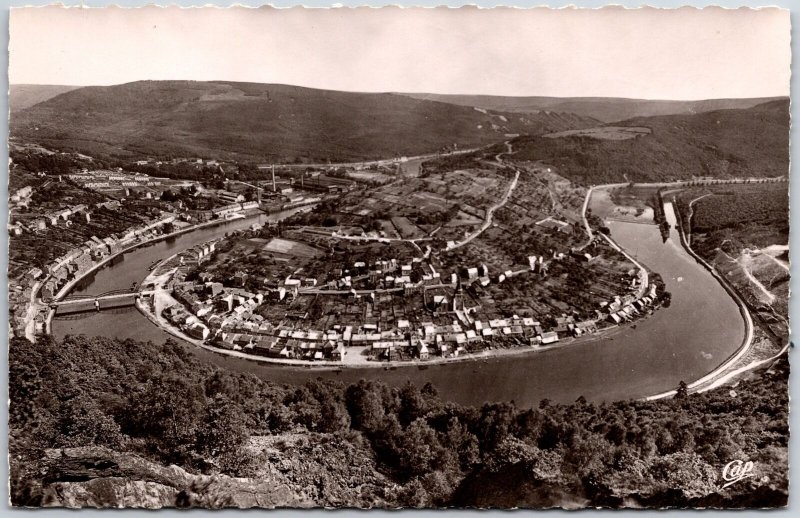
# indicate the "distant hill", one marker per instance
pixel 25 96
pixel 606 109
pixel 264 121
pixel 721 143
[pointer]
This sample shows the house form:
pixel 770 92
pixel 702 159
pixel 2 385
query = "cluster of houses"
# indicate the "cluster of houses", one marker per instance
pixel 63 217
pixel 196 161
pixel 224 211
pixel 230 322
pixel 625 308
pixel 20 297
pixel 79 260
pixel 230 317
pixel 57 274
pixel 20 197
pixel 102 179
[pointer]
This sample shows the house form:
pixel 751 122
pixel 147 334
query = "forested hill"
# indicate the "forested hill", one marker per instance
pixel 606 109
pixel 25 96
pixel 94 422
pixel 264 121
pixel 720 144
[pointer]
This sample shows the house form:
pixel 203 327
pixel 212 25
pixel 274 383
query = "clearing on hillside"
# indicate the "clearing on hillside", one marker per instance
pixel 604 132
pixel 291 248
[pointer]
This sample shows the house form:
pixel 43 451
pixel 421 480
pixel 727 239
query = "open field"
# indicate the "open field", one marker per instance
pixel 605 109
pixel 427 201
pixel 406 228
pixel 463 219
pixel 604 132
pixel 291 248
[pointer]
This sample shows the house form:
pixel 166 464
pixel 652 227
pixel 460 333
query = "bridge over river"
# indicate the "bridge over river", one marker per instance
pixel 108 300
pixel 697 333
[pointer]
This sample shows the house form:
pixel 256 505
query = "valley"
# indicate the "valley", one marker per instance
pixel 404 298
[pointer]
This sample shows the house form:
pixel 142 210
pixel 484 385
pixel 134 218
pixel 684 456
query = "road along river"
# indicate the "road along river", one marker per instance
pixel 698 332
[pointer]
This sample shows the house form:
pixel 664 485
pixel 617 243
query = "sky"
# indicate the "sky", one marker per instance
pixel 638 53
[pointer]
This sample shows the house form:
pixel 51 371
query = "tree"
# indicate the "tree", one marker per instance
pixel 167 408
pixel 83 423
pixel 223 435
pixel 364 403
pixel 419 451
pixel 683 390
pixel 412 404
pixel 334 417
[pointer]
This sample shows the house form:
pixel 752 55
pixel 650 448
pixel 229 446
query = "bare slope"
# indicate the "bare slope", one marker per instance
pixel 262 121
pixel 25 96
pixel 606 109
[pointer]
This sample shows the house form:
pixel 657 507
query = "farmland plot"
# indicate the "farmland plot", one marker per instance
pixel 406 228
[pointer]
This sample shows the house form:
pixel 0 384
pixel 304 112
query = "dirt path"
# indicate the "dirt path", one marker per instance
pixel 691 213
pixel 490 211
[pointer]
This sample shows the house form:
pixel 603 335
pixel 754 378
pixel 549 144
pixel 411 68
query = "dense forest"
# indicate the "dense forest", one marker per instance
pixel 371 445
pixel 733 217
pixel 721 144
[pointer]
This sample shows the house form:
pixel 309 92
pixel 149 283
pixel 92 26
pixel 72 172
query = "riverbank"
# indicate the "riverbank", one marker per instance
pixel 679 342
pixel 71 285
pixel 722 370
pixel 606 333
pixel 67 288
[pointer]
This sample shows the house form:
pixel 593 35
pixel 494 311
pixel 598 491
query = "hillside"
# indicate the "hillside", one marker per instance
pixel 261 121
pixel 606 109
pixel 97 422
pixel 722 144
pixel 25 96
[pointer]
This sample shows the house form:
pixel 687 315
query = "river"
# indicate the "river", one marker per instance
pixel 700 329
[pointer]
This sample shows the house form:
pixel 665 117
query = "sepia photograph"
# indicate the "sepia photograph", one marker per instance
pixel 398 258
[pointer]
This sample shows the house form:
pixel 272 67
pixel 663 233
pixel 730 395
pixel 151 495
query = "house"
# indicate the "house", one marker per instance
pixel 338 353
pixel 37 224
pixel 552 223
pixel 240 278
pixel 197 330
pixel 549 337
pixel 424 353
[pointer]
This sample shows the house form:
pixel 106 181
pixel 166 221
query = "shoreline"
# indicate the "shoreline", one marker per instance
pixel 67 288
pixel 327 365
pixel 601 334
pixel 604 334
pixel 719 372
pixel 747 342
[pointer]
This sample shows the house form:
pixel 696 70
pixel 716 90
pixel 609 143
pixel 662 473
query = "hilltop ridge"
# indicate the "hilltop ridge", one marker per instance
pixel 606 109
pixel 265 121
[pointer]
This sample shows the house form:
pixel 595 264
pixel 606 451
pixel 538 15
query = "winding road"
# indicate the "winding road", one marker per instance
pixel 490 211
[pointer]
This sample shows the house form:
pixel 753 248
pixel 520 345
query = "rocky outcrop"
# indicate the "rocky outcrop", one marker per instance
pixel 100 477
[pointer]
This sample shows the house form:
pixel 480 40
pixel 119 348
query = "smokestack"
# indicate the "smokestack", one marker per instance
pixel 274 188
